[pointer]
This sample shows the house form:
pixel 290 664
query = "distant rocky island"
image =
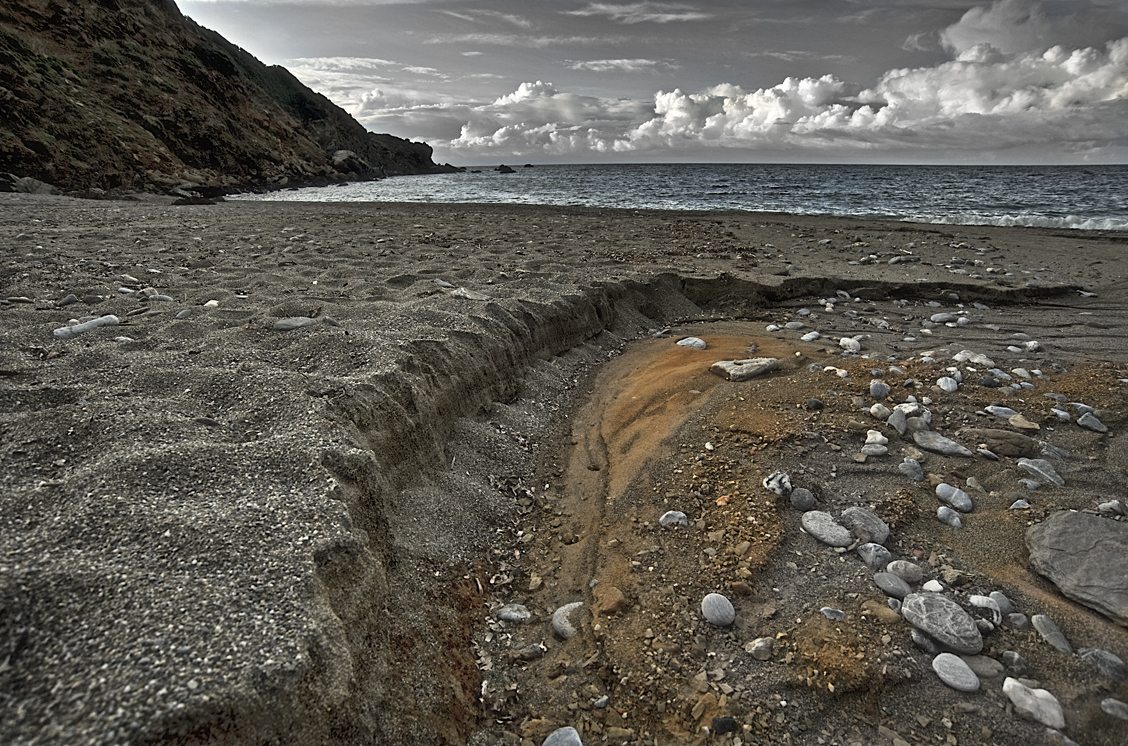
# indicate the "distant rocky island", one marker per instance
pixel 122 95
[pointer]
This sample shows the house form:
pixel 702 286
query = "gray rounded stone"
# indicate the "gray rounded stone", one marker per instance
pixel 955 497
pixel 513 613
pixel 718 610
pixel 693 343
pixel 1107 663
pixel 824 528
pixel 1050 633
pixel 802 499
pixel 879 389
pixel 905 570
pixel 1016 621
pixel 875 556
pixel 1013 662
pixel 1004 603
pixel 943 619
pixel 567 736
pixel 949 516
pixel 937 443
pixel 1036 704
pixel 955 673
pixel 891 585
pixel 983 666
pixel 912 469
pixel 1041 469
pixel 674 518
pixel 1090 422
pixel 865 525
pixel 835 615
pixel 1115 708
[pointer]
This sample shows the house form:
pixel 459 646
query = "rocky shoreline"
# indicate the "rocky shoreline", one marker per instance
pixel 220 528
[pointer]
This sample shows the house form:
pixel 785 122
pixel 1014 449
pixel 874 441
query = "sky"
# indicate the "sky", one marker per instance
pixel 795 81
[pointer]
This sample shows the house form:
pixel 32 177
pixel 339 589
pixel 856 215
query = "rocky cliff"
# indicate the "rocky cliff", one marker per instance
pixel 130 94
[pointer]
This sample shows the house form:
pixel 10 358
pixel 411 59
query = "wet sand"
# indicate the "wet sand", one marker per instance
pixel 216 530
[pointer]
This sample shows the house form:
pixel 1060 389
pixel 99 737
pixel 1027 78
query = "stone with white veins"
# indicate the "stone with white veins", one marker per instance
pixel 1107 663
pixel 875 556
pixel 955 497
pixel 943 620
pixel 937 443
pixel 824 528
pixel 954 672
pixel 905 570
pixel 1041 469
pixel 1035 704
pixel 778 482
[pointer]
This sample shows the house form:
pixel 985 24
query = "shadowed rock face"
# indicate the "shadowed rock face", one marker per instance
pixel 131 94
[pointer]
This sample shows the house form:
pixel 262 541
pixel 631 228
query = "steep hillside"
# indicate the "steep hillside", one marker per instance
pixel 131 94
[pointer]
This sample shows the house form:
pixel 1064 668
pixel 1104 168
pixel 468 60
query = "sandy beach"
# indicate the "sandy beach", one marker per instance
pixel 293 490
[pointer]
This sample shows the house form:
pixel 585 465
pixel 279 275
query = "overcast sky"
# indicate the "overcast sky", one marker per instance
pixel 925 81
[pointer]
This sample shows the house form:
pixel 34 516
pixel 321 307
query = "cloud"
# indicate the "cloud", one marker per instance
pixel 516 40
pixel 630 66
pixel 1007 25
pixel 642 12
pixel 489 17
pixel 1070 100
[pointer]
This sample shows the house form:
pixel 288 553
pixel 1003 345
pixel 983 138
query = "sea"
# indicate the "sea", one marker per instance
pixel 1082 197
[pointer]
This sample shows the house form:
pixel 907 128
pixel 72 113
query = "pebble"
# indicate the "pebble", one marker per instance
pixel 984 667
pixel 1017 621
pixel 1040 468
pixel 67 300
pixel 954 672
pixel 1111 508
pixel 879 411
pixel 875 437
pixel 1036 704
pixel 949 516
pixel 779 483
pixel 212 304
pixel 674 518
pixel 874 449
pixel 954 496
pixel 1005 605
pixel 1030 484
pixel 892 585
pixel 693 343
pixel 865 525
pixel 924 642
pixel 184 314
pixel 948 384
pixel 875 556
pixel 567 736
pixel 513 613
pixel 1002 412
pixel 810 336
pixel 989 382
pixel 1090 422
pixel 933 586
pixel 850 344
pixel 879 389
pixel 813 405
pixel 1115 708
pixel 912 469
pixel 562 622
pixel 761 648
pixel 1022 423
pixel 1013 662
pixel 1020 504
pixel 1050 633
pixel 293 322
pixel 834 615
pixel 718 610
pixel 898 419
pixel 802 499
pixel 70 332
pixel 937 443
pixel 986 602
pixel 794 325
pixel 942 619
pixel 905 570
pixel 1107 663
pixel 824 528
pixel 743 370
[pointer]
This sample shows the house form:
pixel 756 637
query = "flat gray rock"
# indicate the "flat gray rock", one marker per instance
pixel 943 620
pixel 824 528
pixel 865 525
pixel 955 673
pixel 1003 442
pixel 937 443
pixel 1086 556
pixel 1089 421
pixel 1050 633
pixel 1041 469
pixel 293 322
pixel 1107 663
pixel 891 585
pixel 743 370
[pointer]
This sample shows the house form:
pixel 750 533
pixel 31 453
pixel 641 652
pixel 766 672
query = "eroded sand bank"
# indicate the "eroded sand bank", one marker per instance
pixel 216 530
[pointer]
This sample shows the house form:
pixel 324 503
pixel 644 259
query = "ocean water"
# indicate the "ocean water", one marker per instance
pixel 1084 197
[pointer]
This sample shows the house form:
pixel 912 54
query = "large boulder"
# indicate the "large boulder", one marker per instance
pixel 1086 556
